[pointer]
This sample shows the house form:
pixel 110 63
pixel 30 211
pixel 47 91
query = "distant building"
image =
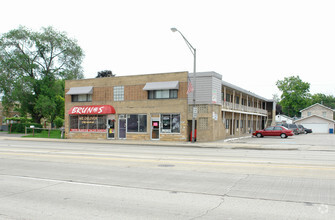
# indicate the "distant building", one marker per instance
pixel 318 117
pixel 159 107
pixel 3 118
pixel 284 119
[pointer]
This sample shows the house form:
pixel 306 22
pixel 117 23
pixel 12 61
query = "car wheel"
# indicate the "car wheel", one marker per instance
pixel 259 135
pixel 283 136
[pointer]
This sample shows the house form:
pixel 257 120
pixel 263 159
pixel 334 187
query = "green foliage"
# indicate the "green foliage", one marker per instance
pixel 295 95
pixel 59 122
pixel 20 127
pixel 33 67
pixel 45 134
pixel 326 100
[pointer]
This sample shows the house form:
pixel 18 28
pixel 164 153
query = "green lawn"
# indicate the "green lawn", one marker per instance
pixel 44 134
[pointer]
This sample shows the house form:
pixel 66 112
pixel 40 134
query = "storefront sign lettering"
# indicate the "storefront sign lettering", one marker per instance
pixel 92 110
pixel 87 110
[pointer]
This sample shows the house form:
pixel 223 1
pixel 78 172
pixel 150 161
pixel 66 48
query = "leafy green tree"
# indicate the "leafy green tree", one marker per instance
pixel 33 66
pixel 295 95
pixel 105 73
pixel 326 100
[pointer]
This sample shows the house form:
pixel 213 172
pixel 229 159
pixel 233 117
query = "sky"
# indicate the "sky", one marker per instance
pixel 251 43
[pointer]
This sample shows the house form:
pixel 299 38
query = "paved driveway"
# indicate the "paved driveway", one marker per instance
pixel 307 140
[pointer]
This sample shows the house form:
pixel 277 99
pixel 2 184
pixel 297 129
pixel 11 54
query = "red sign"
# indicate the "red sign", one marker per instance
pixel 92 110
pixel 89 130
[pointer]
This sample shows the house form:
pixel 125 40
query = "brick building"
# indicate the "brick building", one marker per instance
pixel 157 107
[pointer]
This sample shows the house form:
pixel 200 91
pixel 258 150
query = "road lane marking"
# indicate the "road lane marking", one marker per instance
pixel 169 161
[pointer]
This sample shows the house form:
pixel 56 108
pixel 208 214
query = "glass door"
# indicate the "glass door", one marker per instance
pixel 122 128
pixel 110 128
pixel 154 129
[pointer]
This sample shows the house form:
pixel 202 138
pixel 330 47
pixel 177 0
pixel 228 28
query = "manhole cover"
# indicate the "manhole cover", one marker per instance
pixel 166 165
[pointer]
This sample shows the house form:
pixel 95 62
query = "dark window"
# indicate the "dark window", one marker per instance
pixel 277 129
pixel 163 94
pixel 102 119
pixel 237 100
pixel 136 123
pixel 74 122
pixel 81 98
pixel 268 129
pixel 170 123
pixel 228 97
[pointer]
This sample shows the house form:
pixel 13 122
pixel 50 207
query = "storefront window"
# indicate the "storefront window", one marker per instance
pixel 102 121
pixel 170 123
pixel 88 123
pixel 136 123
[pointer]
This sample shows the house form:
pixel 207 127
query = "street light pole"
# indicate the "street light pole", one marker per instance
pixel 194 52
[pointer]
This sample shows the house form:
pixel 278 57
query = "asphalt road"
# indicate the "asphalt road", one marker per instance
pixel 52 180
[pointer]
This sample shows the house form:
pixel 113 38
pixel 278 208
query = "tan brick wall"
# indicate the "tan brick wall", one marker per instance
pixel 135 102
pixel 135 92
pixel 318 110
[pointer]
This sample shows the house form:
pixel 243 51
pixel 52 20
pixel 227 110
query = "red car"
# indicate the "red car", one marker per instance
pixel 274 131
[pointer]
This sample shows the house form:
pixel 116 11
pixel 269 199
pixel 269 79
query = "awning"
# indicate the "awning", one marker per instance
pixel 80 90
pixel 161 85
pixel 92 110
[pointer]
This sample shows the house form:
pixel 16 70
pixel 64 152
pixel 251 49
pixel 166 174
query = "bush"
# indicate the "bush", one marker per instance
pixel 20 127
pixel 59 122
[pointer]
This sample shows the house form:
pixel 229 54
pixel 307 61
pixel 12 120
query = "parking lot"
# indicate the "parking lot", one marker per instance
pixel 302 140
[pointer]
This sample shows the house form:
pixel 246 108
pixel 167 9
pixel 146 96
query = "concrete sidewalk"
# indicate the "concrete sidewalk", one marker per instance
pixel 226 144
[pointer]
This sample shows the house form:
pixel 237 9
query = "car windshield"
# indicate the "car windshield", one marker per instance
pixel 292 126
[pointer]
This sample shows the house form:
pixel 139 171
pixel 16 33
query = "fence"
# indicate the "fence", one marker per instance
pixel 38 130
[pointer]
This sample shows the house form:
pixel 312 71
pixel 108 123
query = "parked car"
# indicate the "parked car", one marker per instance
pixel 292 127
pixel 301 129
pixel 307 130
pixel 281 131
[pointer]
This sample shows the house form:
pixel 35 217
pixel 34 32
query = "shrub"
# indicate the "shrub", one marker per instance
pixel 20 127
pixel 59 122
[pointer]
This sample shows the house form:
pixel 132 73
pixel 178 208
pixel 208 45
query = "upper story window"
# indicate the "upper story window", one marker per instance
pixel 81 94
pixel 309 113
pixel 324 114
pixel 118 93
pixel 163 94
pixel 162 90
pixel 237 100
pixel 228 97
pixel 81 98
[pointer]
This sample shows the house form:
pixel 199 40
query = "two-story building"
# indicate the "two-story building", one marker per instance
pixel 159 107
pixel 317 117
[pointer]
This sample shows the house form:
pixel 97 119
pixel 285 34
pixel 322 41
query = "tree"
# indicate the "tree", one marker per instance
pixel 32 67
pixel 295 95
pixel 326 100
pixel 105 73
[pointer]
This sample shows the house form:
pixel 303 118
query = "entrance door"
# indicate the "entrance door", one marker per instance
pixel 110 128
pixel 122 128
pixel 154 129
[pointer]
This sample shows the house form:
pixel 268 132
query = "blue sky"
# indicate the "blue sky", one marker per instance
pixel 252 44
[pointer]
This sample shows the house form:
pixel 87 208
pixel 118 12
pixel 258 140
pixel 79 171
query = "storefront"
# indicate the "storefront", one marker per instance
pixel 159 107
pixel 93 119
